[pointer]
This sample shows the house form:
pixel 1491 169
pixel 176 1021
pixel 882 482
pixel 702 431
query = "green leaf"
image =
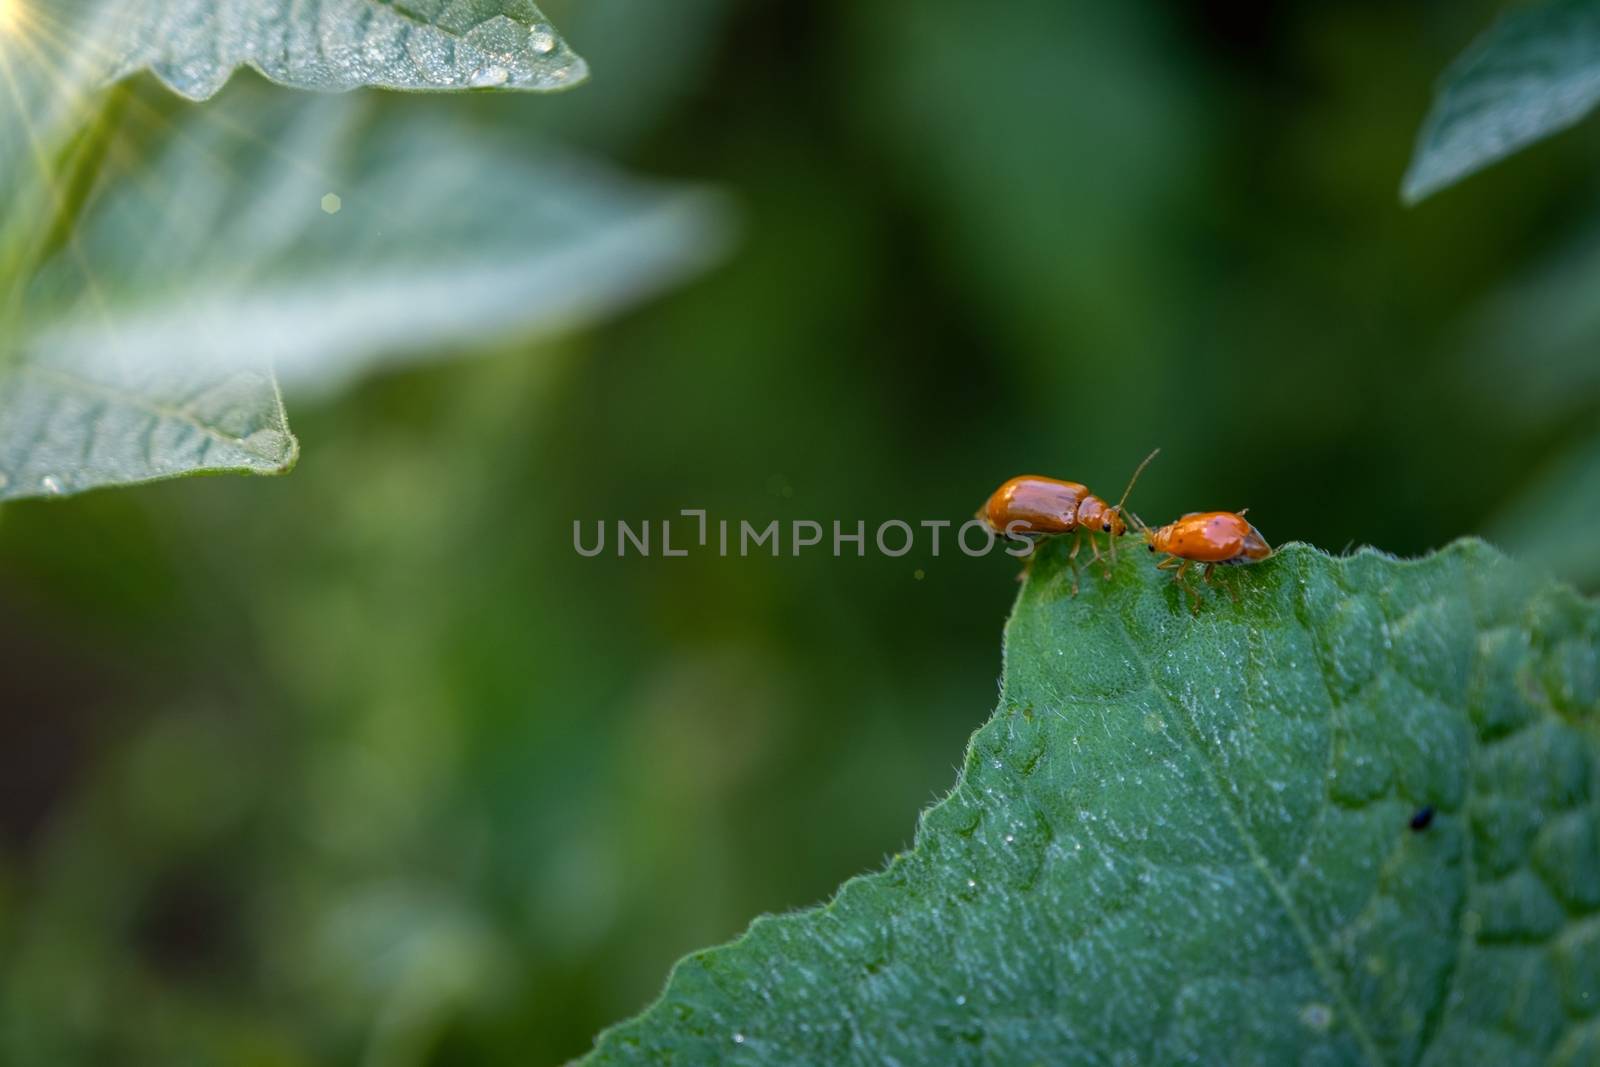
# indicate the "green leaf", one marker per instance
pixel 194 46
pixel 308 238
pixel 1534 73
pixel 64 429
pixel 1187 838
pixel 55 55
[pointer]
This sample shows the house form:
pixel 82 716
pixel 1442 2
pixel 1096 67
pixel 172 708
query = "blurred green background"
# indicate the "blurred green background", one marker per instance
pixel 366 765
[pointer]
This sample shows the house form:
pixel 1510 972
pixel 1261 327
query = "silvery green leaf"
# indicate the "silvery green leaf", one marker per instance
pixel 1534 73
pixel 311 238
pixel 194 46
pixel 65 428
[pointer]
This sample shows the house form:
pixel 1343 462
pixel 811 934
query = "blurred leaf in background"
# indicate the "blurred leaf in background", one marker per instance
pixel 1534 73
pixel 276 236
pixel 307 238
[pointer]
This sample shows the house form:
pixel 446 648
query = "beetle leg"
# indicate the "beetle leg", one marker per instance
pixel 1027 561
pixel 1205 575
pixel 1180 576
pixel 1167 563
pixel 1072 559
pixel 1094 547
pixel 1098 557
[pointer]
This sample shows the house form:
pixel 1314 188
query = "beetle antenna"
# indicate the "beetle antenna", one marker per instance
pixel 1137 471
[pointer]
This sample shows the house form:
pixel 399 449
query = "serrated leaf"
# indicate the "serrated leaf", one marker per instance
pixel 314 237
pixel 1188 838
pixel 1534 73
pixel 194 46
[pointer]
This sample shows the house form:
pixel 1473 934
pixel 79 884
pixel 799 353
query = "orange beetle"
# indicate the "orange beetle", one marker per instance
pixel 1210 537
pixel 1033 506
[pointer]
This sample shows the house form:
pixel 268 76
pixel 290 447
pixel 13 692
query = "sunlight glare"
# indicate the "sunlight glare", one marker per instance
pixel 10 15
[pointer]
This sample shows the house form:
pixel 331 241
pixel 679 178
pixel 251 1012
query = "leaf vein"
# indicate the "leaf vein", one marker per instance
pixel 1193 740
pixel 138 402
